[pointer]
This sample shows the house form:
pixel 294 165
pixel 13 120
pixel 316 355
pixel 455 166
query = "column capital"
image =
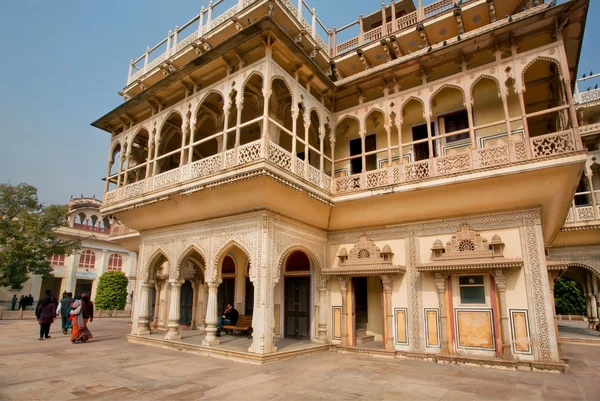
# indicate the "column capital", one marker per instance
pixel 387 282
pixel 213 284
pixel 148 284
pixel 440 281
pixel 500 279
pixel 176 282
pixel 343 281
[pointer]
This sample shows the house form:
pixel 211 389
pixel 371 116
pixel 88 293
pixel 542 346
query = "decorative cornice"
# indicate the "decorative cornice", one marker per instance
pixel 473 264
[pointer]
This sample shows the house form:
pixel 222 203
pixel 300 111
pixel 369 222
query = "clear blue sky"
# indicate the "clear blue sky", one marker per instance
pixel 63 63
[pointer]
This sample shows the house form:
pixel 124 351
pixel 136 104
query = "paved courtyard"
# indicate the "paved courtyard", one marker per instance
pixel 110 368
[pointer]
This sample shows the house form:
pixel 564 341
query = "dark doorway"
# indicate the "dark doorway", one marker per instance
pixel 83 287
pixel 359 285
pixel 187 299
pixel 154 301
pixel 226 293
pixel 297 307
pixel 249 297
pixel 421 150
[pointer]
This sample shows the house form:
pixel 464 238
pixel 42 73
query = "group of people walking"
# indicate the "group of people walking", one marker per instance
pixel 75 314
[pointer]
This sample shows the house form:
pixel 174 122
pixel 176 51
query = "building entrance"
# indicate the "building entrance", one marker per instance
pixel 297 307
pixel 367 312
pixel 83 287
pixel 185 308
pixel 226 293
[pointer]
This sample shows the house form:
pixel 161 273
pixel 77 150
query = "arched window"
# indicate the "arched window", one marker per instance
pixel 57 260
pixel 87 260
pixel 297 262
pixel 115 262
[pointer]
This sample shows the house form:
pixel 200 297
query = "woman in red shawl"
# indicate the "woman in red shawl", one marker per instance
pixel 79 317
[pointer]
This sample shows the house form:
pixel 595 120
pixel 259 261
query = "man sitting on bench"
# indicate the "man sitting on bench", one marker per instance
pixel 228 318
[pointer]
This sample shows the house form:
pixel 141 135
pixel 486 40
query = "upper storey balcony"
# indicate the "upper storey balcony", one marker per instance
pixel 493 127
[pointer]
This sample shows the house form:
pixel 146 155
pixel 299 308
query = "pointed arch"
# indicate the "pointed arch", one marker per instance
pixel 407 101
pixel 541 58
pixel 314 258
pixel 248 78
pixel 168 116
pixel 345 116
pixel 285 82
pixel 187 252
pixel 481 78
pixel 446 86
pixel 149 268
pixel 213 274
pixel 204 98
pixel 375 110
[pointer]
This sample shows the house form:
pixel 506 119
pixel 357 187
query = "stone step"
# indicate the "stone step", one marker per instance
pixel 362 337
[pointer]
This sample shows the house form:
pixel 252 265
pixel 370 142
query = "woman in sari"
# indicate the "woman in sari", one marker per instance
pixel 79 332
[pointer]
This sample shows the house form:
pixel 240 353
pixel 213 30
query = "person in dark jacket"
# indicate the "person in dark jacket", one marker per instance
pixel 45 314
pixel 14 302
pixel 63 307
pixel 229 317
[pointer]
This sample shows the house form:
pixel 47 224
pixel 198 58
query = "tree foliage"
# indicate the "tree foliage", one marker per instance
pixel 27 234
pixel 112 291
pixel 569 298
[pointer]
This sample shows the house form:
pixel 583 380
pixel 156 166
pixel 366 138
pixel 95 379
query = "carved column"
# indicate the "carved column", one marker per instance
pixel 500 279
pixel 144 311
pixel 323 311
pixel 306 147
pixel 226 109
pixel 174 311
pixel 193 325
pixel 440 283
pixel 388 282
pixel 295 114
pixel 596 293
pixel 593 315
pixel 212 316
pixel 363 136
pixel 552 277
pixel 157 286
pixel 344 290
pixel 263 317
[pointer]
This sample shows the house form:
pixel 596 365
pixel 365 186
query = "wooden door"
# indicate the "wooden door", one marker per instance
pixel 226 294
pixel 185 307
pixel 297 307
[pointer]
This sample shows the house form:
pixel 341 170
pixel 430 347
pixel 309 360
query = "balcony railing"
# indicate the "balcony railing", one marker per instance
pixel 511 153
pixel 95 229
pixel 583 213
pixel 207 23
pixel 588 96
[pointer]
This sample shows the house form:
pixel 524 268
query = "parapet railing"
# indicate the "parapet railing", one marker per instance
pixel 207 22
pixel 512 153
pixel 119 230
pixel 395 26
pixel 587 96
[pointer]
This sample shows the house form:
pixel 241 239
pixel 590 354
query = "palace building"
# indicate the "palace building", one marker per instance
pixel 410 184
pixel 79 272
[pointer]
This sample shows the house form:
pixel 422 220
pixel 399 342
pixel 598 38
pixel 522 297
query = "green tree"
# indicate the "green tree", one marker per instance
pixel 568 298
pixel 112 291
pixel 28 234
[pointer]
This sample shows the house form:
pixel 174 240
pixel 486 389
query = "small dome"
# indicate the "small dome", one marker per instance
pixel 386 249
pixel 438 245
pixel 343 252
pixel 496 239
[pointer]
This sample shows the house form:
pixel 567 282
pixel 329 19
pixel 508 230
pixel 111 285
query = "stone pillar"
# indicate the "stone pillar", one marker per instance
pixel 323 311
pixel 388 282
pixel 194 305
pixel 596 292
pixel 552 277
pixel 263 317
pixel 593 305
pixel 157 287
pixel 500 279
pixel 440 283
pixel 174 311
pixel 344 290
pixel 144 309
pixel 212 316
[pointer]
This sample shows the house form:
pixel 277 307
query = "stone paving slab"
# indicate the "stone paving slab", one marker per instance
pixel 110 368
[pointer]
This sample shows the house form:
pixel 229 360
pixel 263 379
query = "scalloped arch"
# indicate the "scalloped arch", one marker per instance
pixel 187 252
pixel 535 60
pixel 587 265
pixel 150 273
pixel 345 116
pixel 481 78
pixel 441 88
pixel 203 99
pixel 314 258
pixel 249 77
pixel 168 116
pixel 376 110
pixel 221 254
pixel 285 82
pixel 407 101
